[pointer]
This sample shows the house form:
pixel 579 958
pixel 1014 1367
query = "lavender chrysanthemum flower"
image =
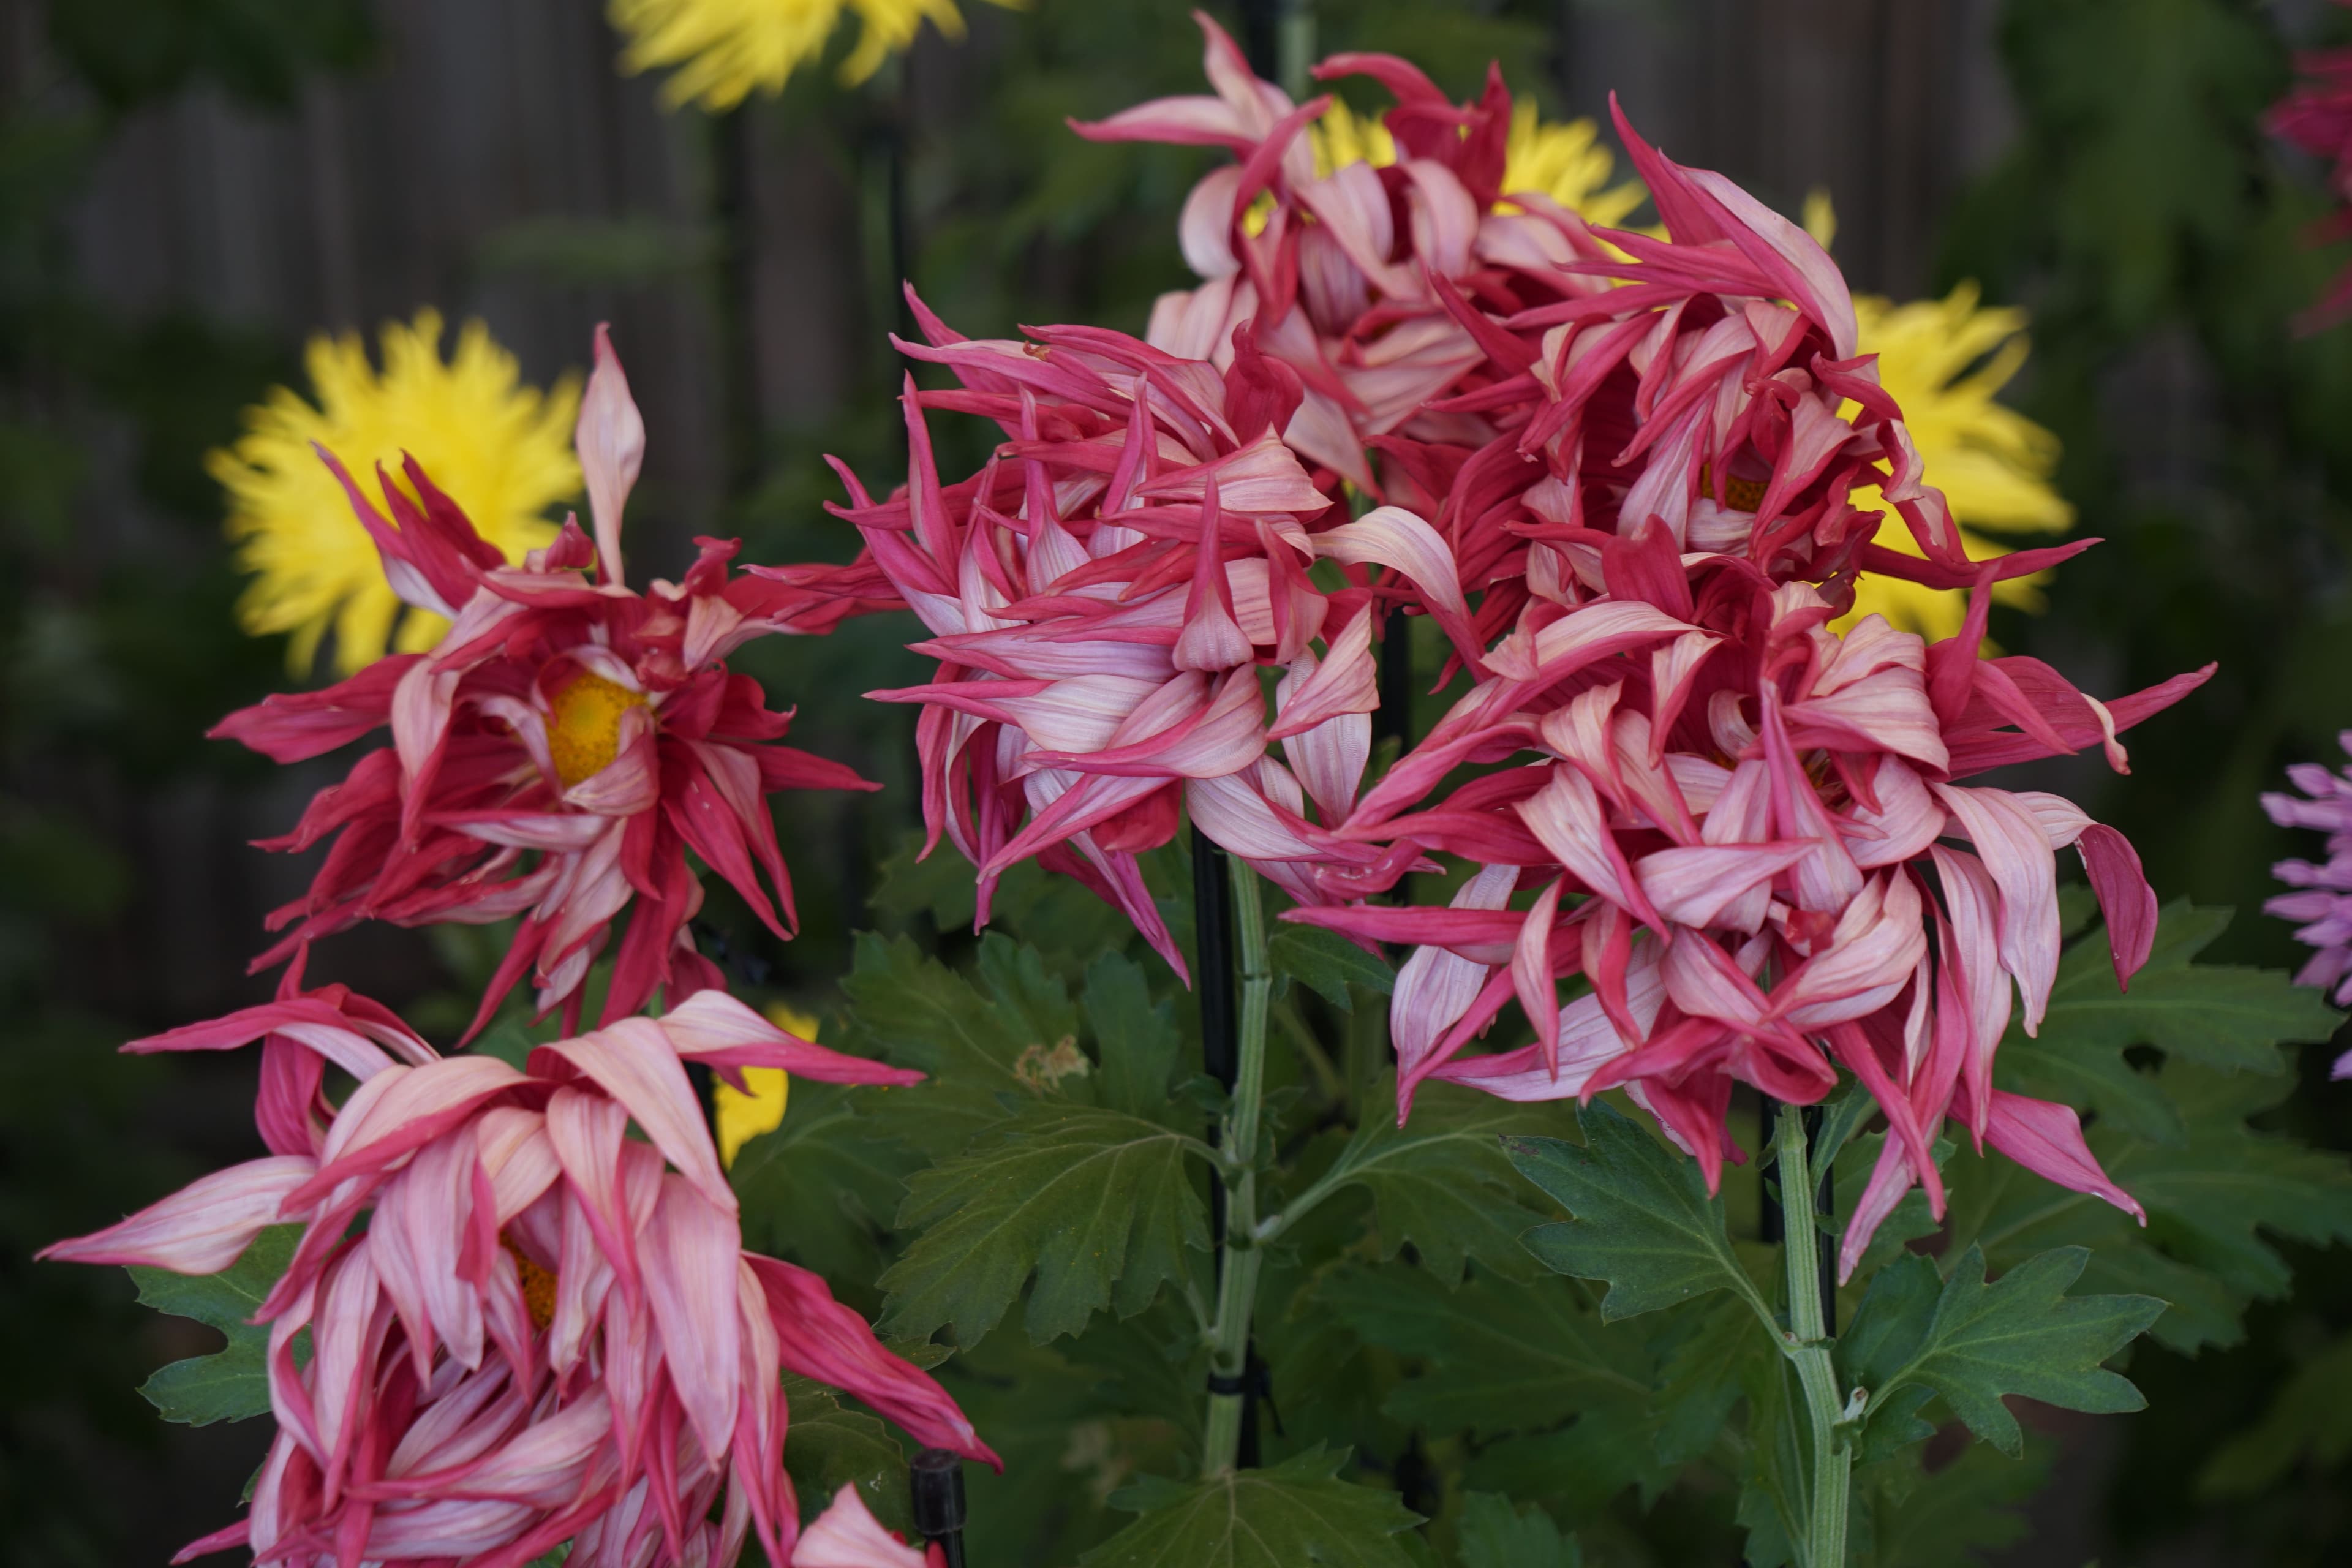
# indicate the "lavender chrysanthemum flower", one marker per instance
pixel 2322 899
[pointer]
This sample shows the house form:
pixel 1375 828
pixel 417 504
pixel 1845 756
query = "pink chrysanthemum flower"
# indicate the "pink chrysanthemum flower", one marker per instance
pixel 1362 278
pixel 1528 382
pixel 1103 597
pixel 2316 116
pixel 563 748
pixel 2323 900
pixel 1744 831
pixel 546 1329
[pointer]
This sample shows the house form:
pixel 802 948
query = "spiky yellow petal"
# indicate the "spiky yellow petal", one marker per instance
pixel 1944 361
pixel 1565 163
pixel 500 448
pixel 724 50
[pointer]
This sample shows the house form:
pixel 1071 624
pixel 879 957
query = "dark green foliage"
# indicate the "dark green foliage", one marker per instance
pixel 1979 1342
pixel 2173 1133
pixel 1327 962
pixel 234 1382
pixel 822 1188
pixel 1494 1534
pixel 1641 1218
pixel 1097 1203
pixel 1293 1513
pixel 1441 1182
pixel 1506 1358
pixel 830 1445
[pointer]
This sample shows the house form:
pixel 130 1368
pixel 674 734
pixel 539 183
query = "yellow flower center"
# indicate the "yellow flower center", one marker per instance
pixel 537 1287
pixel 1738 494
pixel 584 731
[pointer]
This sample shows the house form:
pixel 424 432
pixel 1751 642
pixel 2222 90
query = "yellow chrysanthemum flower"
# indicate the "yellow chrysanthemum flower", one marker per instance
pixel 1565 163
pixel 1992 463
pixel 500 449
pixel 724 49
pixel 743 1117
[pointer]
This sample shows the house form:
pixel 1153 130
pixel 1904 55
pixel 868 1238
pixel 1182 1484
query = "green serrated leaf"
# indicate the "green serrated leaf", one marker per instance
pixel 1576 1472
pixel 829 1445
pixel 1095 1204
pixel 1441 1182
pixel 823 1186
pixel 1495 1534
pixel 2175 1135
pixel 1886 1329
pixel 2021 1334
pixel 1500 1356
pixel 232 1384
pixel 1296 1514
pixel 972 1038
pixel 1136 1038
pixel 1326 961
pixel 2210 1202
pixel 2227 1018
pixel 1641 1217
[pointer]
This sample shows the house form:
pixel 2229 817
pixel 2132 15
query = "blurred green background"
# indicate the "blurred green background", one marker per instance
pixel 189 189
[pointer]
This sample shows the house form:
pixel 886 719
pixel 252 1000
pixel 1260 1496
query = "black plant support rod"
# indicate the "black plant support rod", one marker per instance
pixel 1213 984
pixel 935 1487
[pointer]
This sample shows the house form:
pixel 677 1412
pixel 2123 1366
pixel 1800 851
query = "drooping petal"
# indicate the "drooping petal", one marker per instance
pixel 202 1228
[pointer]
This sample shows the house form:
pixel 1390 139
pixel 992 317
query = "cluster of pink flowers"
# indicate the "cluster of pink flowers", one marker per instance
pixel 528 1327
pixel 2322 901
pixel 1623 473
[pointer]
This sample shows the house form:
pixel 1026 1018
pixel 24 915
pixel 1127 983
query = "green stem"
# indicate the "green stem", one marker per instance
pixel 1229 1332
pixel 1807 1346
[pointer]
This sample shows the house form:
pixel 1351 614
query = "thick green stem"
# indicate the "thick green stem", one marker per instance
pixel 1229 1332
pixel 1807 1347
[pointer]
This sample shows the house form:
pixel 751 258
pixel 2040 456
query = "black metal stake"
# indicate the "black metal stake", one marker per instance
pixel 935 1487
pixel 1212 984
pixel 1772 1223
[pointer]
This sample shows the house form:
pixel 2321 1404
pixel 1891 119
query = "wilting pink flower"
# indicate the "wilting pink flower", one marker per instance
pixel 2322 899
pixel 547 1330
pixel 564 746
pixel 2316 116
pixel 846 1535
pixel 1744 831
pixel 1102 597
